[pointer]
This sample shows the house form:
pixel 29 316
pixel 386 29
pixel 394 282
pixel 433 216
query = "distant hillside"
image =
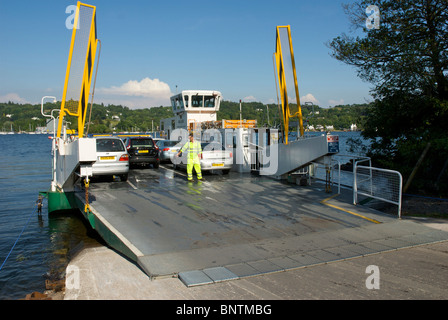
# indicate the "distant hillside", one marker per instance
pixel 105 119
pixel 340 117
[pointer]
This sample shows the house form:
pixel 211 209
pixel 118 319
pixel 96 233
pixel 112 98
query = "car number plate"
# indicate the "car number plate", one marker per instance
pixel 107 158
pixel 143 151
pixel 217 164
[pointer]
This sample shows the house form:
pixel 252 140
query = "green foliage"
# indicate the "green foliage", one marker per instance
pixel 407 61
pixel 19 116
pixel 102 119
pixel 110 118
pixel 341 117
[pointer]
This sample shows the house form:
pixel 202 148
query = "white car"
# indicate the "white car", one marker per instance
pixel 112 158
pixel 214 157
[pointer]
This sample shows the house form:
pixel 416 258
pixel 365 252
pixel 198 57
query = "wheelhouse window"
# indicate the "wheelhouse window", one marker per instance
pixel 209 101
pixel 196 101
pixel 179 103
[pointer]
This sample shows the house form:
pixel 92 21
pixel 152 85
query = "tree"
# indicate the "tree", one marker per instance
pixel 407 53
pixel 406 59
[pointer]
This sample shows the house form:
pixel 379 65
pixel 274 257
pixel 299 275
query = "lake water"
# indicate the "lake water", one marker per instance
pixel 42 251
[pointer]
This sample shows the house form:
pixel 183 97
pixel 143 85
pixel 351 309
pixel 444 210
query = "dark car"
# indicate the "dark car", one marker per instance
pixel 142 151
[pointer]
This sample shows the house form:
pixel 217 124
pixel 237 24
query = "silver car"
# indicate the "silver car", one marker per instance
pixel 112 158
pixel 167 149
pixel 214 157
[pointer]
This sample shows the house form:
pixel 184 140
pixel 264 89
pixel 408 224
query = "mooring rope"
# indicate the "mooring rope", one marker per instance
pixel 23 229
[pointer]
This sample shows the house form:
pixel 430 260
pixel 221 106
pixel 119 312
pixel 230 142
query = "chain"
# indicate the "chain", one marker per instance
pixel 86 184
pixel 328 180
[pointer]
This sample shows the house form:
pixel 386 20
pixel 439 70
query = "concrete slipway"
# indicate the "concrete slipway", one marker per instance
pixel 249 237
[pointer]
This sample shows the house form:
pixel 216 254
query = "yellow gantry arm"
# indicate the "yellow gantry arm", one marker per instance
pixel 80 64
pixel 287 78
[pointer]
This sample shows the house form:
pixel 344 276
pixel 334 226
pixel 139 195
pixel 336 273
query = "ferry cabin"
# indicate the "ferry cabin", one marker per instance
pixel 190 109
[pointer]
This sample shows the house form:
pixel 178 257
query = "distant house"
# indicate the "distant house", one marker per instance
pixel 41 130
pixel 330 127
pixel 34 118
pixel 353 127
pixel 116 118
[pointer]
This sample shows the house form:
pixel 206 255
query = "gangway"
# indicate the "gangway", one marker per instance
pixel 274 158
pixel 73 156
pixel 275 153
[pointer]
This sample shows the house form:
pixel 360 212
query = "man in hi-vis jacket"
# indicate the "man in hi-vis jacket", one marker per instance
pixel 194 153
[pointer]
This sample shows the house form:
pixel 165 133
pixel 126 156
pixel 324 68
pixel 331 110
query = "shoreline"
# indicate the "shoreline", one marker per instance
pixel 430 212
pixel 107 275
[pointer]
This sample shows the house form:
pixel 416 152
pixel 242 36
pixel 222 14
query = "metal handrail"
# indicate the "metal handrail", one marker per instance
pixel 371 194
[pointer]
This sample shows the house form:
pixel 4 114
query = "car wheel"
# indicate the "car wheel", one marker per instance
pixel 225 171
pixel 124 177
pixel 155 165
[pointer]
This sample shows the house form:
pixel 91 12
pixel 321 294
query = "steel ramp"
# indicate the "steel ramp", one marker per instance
pixel 313 249
pixel 236 226
pixel 285 158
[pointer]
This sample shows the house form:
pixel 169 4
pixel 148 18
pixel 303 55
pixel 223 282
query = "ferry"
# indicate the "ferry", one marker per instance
pixel 249 222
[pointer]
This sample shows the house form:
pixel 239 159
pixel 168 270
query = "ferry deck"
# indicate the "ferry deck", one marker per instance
pixel 228 226
pixel 237 225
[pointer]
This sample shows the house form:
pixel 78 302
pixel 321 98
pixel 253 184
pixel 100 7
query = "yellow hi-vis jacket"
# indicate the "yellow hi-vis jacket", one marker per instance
pixel 194 149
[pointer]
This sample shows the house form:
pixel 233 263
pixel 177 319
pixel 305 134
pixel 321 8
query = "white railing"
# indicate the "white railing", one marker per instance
pixel 321 171
pixel 382 184
pixel 338 175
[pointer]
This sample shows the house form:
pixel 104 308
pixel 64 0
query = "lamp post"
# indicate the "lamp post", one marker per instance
pixel 53 142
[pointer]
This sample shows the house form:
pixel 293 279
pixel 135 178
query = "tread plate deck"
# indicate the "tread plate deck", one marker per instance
pixel 239 225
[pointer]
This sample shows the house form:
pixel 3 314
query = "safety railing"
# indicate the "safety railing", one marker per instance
pixel 381 184
pixel 326 172
pixel 339 171
pixel 347 171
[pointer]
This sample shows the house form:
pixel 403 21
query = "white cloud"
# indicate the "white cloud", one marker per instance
pixel 13 97
pixel 141 94
pixel 292 99
pixel 250 99
pixel 336 102
pixel 309 98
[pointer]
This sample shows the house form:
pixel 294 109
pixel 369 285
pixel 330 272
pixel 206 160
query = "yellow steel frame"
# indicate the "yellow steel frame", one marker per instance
pixel 87 75
pixel 286 112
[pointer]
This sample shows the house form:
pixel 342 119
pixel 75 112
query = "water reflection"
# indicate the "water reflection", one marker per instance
pixel 68 231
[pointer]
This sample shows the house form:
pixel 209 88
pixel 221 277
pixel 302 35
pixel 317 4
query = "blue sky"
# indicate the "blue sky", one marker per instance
pixel 150 47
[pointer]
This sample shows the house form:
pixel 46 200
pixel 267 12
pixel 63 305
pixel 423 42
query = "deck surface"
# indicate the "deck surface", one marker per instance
pixel 239 225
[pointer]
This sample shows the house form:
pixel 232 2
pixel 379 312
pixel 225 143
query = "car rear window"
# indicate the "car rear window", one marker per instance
pixel 209 146
pixel 109 145
pixel 170 143
pixel 142 143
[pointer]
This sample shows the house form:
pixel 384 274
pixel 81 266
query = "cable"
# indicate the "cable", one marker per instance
pixel 93 91
pixel 23 229
pixel 425 197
